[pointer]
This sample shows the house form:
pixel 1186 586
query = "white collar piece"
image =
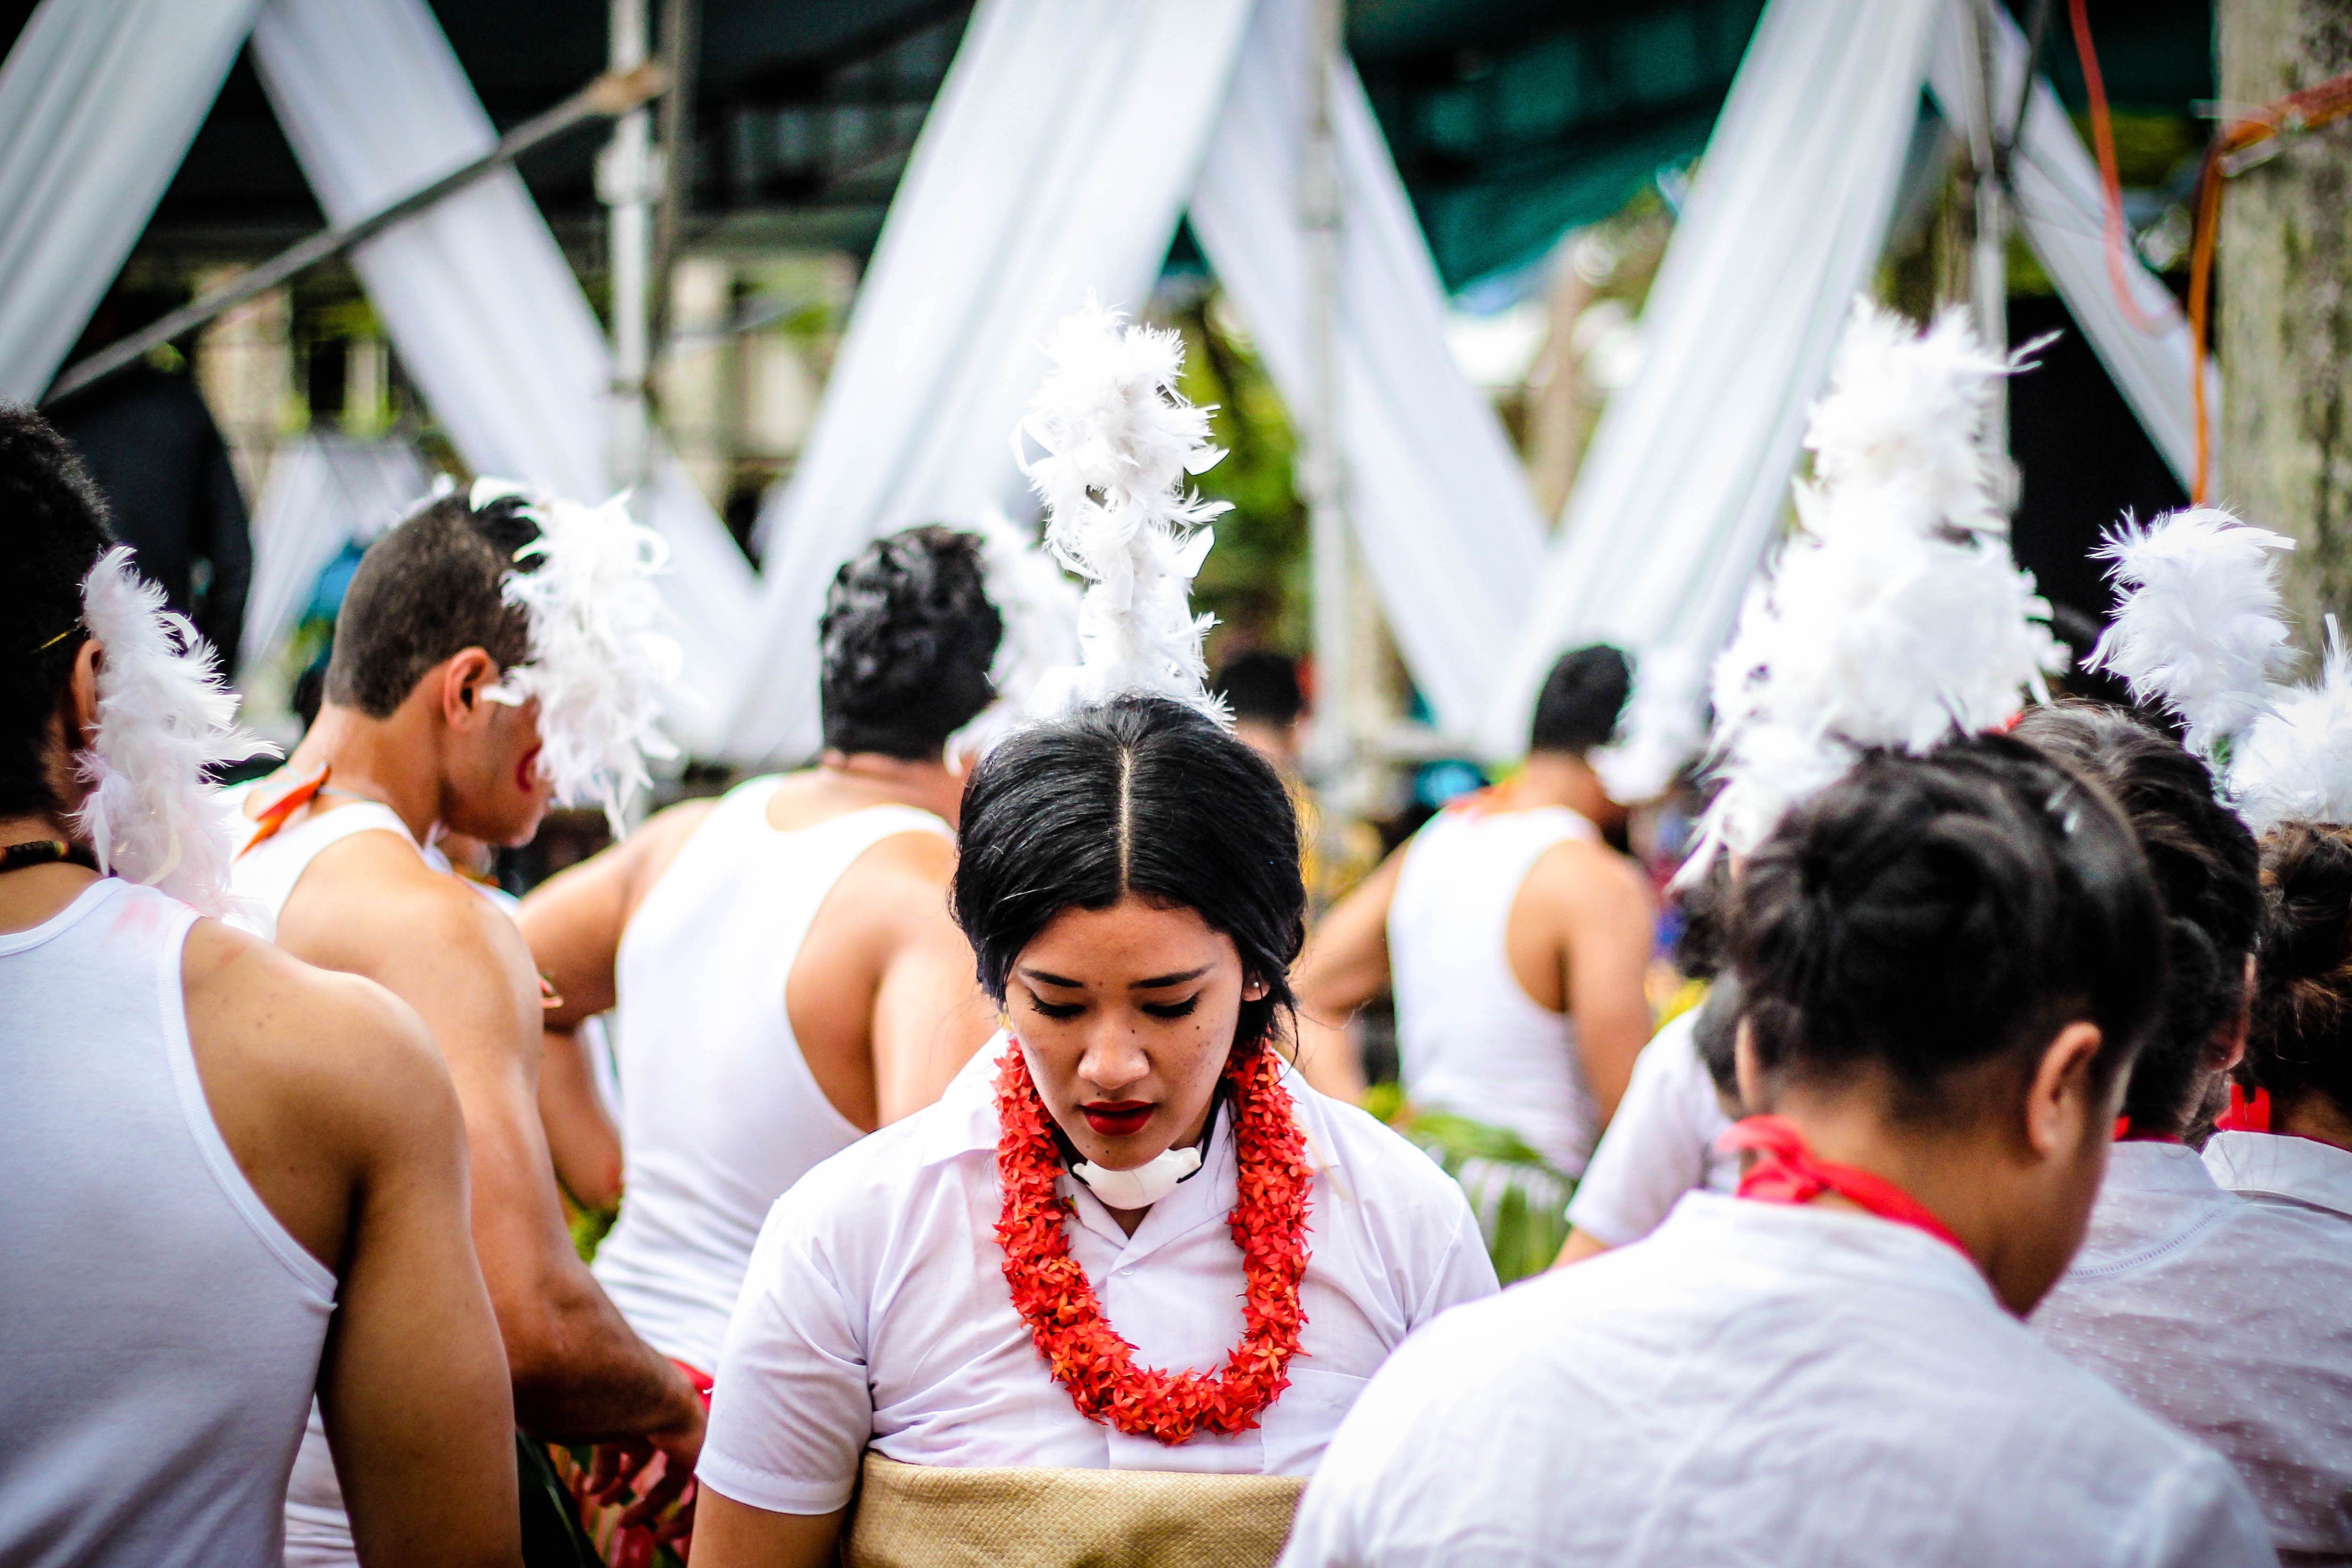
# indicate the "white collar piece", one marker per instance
pixel 1144 1185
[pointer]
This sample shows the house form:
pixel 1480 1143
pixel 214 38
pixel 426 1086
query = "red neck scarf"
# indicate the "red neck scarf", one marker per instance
pixel 1787 1171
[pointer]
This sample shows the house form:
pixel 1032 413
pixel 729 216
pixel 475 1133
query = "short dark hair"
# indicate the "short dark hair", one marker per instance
pixel 2208 873
pixel 2302 1038
pixel 1582 700
pixel 432 588
pixel 1143 796
pixel 1262 685
pixel 53 528
pixel 1925 915
pixel 908 635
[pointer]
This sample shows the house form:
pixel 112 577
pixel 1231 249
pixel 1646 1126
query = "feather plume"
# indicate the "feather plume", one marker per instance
pixel 163 719
pixel 1665 727
pixel 2293 764
pixel 1893 616
pixel 1039 606
pixel 600 666
pixel 2198 629
pixel 1119 443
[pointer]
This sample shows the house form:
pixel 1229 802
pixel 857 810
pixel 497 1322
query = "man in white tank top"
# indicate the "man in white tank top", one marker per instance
pixel 420 732
pixel 1515 938
pixel 786 975
pixel 207 1150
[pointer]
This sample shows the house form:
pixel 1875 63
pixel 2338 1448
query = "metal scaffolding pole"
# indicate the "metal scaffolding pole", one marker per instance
pixel 1334 758
pixel 627 180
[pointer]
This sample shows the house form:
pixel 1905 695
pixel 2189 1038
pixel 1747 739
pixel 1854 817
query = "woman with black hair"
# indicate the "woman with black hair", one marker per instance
pixel 2224 1317
pixel 2290 1140
pixel 1130 1237
pixel 1946 962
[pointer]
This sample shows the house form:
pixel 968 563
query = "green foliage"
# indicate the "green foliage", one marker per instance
pixel 1255 582
pixel 1521 1201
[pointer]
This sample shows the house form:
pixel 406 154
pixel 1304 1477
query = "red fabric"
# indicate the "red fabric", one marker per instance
pixel 2247 1113
pixel 284 806
pixel 2126 1133
pixel 1786 1171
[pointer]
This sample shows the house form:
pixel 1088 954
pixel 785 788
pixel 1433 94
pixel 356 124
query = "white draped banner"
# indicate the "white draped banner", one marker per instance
pixel 99 101
pixel 1689 470
pixel 483 310
pixel 2060 210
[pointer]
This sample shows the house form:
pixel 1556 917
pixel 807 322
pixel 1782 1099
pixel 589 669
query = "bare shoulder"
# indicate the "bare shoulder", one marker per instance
pixel 1584 874
pixel 314 1047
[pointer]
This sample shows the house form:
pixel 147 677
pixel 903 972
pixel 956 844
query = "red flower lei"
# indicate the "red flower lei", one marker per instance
pixel 1050 1291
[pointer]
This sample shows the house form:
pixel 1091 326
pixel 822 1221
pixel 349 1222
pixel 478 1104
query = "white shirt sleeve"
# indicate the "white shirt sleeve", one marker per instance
pixel 1655 1149
pixel 2200 1513
pixel 1465 1272
pixel 790 1408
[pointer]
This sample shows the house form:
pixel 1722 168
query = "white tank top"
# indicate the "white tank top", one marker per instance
pixel 1469 1038
pixel 161 1329
pixel 720 1112
pixel 317 1531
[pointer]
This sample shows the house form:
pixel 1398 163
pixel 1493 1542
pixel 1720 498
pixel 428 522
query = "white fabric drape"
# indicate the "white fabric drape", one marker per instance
pixel 483 309
pixel 323 493
pixel 1685 482
pixel 99 101
pixel 1437 498
pixel 1057 157
pixel 1055 160
pixel 2060 210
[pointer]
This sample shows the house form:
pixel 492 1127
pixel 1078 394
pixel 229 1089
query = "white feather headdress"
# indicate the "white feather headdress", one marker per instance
pixel 2293 764
pixel 1663 727
pixel 1895 616
pixel 600 664
pixel 1120 442
pixel 164 718
pixel 2198 629
pixel 1039 606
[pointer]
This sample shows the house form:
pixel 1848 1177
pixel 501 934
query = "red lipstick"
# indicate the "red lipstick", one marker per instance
pixel 526 772
pixel 1118 1118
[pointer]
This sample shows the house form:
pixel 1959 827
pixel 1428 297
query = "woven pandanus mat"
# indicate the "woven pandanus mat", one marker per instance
pixel 930 1516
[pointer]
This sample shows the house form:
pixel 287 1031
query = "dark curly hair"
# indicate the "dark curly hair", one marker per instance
pixel 2302 1038
pixel 53 528
pixel 908 635
pixel 2207 871
pixel 1928 914
pixel 1138 794
pixel 431 587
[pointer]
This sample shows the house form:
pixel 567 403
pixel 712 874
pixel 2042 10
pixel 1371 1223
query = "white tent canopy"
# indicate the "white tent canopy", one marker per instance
pixel 1067 140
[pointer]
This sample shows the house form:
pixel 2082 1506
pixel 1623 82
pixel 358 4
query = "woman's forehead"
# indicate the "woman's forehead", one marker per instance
pixel 1133 940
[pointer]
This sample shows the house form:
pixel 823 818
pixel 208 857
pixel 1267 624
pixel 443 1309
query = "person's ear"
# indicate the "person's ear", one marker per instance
pixel 2228 1047
pixel 81 713
pixel 1254 989
pixel 2059 1101
pixel 466 676
pixel 1745 1068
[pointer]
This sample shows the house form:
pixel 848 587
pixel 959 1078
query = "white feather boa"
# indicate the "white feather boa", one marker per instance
pixel 163 719
pixel 2293 763
pixel 1120 442
pixel 2198 629
pixel 1895 615
pixel 600 667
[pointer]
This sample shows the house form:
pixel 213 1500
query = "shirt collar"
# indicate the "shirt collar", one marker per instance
pixel 2270 1165
pixel 1836 1244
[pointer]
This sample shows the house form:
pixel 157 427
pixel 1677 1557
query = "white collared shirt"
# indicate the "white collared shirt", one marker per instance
pixel 876 1310
pixel 2231 1320
pixel 1760 1383
pixel 2273 1168
pixel 1659 1145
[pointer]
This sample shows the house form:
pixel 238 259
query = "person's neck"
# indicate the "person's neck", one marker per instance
pixel 1944 1171
pixel 394 760
pixel 2314 1115
pixel 929 785
pixel 33 893
pixel 1562 778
